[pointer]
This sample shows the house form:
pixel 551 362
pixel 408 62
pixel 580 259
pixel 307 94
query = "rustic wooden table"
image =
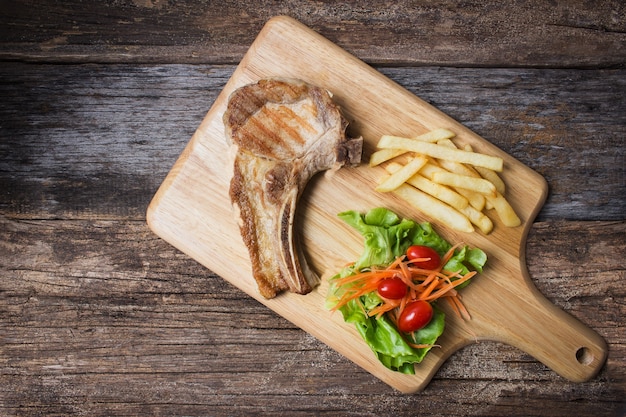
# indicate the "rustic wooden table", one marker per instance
pixel 98 316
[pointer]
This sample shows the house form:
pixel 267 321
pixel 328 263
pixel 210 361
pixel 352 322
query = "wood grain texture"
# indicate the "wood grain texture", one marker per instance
pixel 489 33
pixel 103 318
pixel 100 317
pixel 118 129
pixel 192 211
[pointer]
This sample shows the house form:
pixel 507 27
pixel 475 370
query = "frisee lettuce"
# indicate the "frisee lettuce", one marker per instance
pixel 387 236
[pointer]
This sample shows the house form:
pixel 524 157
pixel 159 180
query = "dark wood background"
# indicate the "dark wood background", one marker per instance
pixel 100 317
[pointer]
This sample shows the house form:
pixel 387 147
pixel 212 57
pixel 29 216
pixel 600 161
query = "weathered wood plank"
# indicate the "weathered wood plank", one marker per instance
pixel 85 304
pixel 433 32
pixel 99 317
pixel 97 140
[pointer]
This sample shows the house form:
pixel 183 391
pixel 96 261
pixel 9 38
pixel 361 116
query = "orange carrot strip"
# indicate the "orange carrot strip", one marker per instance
pixel 349 296
pixel 364 289
pixel 405 300
pixel 361 306
pixel 450 253
pixel 407 276
pixel 383 308
pixel 419 271
pixel 447 278
pixel 464 313
pixel 423 284
pixel 393 315
pixel 429 289
pixel 427 281
pixel 448 275
pixel 448 287
pixel 395 263
pixel 454 306
pixel 419 260
pixel 368 276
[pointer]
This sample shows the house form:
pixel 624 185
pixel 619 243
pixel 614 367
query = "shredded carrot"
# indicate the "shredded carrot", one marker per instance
pixel 429 289
pixel 450 253
pixel 453 305
pixel 360 304
pixel 374 275
pixel 448 287
pixel 351 295
pixel 461 307
pixel 406 274
pixel 427 281
pixel 383 308
pixel 403 304
pixel 423 284
pixel 395 263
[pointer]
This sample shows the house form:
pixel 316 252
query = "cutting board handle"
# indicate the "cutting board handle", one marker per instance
pixel 526 319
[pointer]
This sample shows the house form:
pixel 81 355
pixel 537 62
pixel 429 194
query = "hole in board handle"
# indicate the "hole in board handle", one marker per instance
pixel 584 356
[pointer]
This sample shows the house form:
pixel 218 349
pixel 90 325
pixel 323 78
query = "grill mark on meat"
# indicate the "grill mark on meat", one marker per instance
pixel 276 125
pixel 263 137
pixel 280 92
pixel 254 133
pixel 285 131
pixel 252 103
pixel 300 121
pixel 270 129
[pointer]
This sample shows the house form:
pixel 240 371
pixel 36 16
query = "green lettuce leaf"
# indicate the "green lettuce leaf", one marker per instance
pixel 387 236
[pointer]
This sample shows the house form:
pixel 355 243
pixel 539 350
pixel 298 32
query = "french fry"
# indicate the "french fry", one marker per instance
pixel 438 191
pixel 442 152
pixel 456 167
pixel 384 155
pixel 431 136
pixel 448 143
pixel 493 178
pixel 430 168
pixel 434 208
pixel 478 219
pixel 488 174
pixel 476 200
pixel 478 185
pixel 504 210
pixel 451 185
pixel 402 175
pixel 435 135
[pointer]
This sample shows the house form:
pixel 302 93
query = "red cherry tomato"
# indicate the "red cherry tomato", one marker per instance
pixel 415 315
pixel 392 288
pixel 419 251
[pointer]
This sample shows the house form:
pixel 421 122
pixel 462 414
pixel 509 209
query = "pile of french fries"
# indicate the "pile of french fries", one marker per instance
pixel 453 186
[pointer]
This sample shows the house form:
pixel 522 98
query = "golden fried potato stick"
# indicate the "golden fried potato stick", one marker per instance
pixel 442 152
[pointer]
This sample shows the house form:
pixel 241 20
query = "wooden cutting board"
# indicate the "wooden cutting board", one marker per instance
pixel 192 211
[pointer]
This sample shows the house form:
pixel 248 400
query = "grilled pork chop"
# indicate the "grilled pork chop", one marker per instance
pixel 285 131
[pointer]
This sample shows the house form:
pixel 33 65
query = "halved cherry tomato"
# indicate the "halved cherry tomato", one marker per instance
pixel 419 251
pixel 392 288
pixel 415 315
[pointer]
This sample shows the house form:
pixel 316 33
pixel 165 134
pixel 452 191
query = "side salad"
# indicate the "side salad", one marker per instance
pixel 391 292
